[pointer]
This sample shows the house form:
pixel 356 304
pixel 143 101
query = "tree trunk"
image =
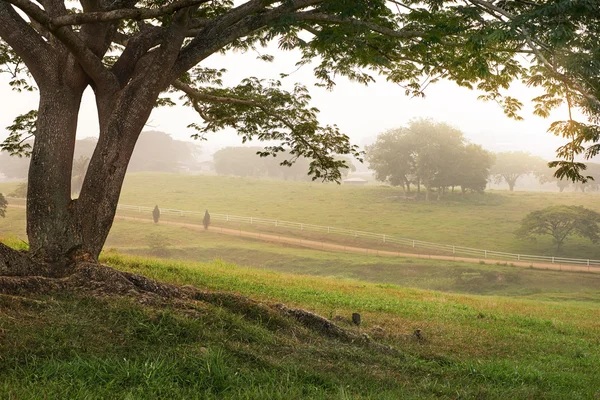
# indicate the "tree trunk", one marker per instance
pixel 121 124
pixel 51 223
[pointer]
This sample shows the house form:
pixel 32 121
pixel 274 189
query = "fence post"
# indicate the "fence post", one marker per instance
pixel 485 254
pixel 301 227
pixel 453 249
pixel 552 260
pixel 275 223
pixel 518 257
pixel 227 217
pixel 250 220
pixel 328 229
pixel 384 238
pixel 413 244
pixel 139 209
pixel 181 213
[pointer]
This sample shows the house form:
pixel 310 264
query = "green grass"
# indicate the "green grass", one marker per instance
pixel 68 346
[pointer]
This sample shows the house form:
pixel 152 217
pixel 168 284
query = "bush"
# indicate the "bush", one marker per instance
pixel 206 220
pixel 158 244
pixel 156 214
pixel 20 191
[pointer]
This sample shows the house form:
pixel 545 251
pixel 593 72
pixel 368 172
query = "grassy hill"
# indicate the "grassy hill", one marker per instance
pixel 69 346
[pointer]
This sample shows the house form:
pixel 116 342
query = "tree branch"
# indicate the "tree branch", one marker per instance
pixel 90 63
pixel 237 23
pixel 125 13
pixel 311 16
pixel 25 41
pixel 536 51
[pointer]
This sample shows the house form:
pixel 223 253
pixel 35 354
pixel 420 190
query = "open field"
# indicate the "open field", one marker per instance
pixel 475 347
pixel 480 221
pixel 167 241
pixel 491 331
pixel 487 222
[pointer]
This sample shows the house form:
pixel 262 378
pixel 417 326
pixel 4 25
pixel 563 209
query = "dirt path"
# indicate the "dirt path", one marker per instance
pixel 352 249
pixel 361 250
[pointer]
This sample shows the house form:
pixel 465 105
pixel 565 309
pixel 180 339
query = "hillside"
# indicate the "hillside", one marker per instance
pixel 71 346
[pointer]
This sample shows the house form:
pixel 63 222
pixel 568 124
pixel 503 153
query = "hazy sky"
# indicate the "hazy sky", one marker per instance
pixel 361 112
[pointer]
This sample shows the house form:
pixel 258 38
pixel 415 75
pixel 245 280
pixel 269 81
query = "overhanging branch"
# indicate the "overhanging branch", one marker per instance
pixel 122 14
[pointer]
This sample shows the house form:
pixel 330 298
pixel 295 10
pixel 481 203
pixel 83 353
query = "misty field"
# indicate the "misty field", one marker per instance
pixel 487 221
pixel 502 279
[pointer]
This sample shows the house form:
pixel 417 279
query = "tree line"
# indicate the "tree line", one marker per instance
pixel 435 157
pixel 155 151
pixel 244 161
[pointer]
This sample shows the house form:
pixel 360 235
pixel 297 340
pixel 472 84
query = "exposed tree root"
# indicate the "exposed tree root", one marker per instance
pixel 16 263
pixel 16 271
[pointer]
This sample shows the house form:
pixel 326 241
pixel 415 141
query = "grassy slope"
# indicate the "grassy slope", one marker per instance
pixel 477 347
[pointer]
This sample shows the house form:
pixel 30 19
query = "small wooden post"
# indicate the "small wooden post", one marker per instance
pixel 356 318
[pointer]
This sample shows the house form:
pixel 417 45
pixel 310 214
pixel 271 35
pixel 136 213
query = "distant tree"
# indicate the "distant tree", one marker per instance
pixel 561 222
pixel 158 151
pixel 431 154
pixel 592 184
pixel 239 161
pixel 3 205
pixel 80 166
pixel 206 220
pixel 474 168
pixel 13 167
pixel 20 191
pixel 156 214
pixel 510 166
pixel 392 157
pixel 546 175
pixel 243 161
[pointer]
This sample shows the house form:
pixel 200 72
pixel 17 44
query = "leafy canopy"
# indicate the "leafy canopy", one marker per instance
pixel 430 153
pixel 480 44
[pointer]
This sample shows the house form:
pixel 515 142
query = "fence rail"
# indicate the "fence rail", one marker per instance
pixel 384 238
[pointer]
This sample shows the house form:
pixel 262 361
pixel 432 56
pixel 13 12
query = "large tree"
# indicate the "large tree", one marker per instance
pixel 510 166
pixel 429 153
pixel 560 222
pixel 130 51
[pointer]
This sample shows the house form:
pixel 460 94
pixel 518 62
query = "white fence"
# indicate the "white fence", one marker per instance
pixel 384 238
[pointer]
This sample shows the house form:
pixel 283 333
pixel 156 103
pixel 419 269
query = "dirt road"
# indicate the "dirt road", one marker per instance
pixel 277 239
pixel 361 250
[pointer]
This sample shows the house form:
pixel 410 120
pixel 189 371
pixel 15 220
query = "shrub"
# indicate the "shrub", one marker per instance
pixel 156 214
pixel 3 205
pixel 206 220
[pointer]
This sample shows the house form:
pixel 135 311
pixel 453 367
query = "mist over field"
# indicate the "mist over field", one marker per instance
pixel 300 199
